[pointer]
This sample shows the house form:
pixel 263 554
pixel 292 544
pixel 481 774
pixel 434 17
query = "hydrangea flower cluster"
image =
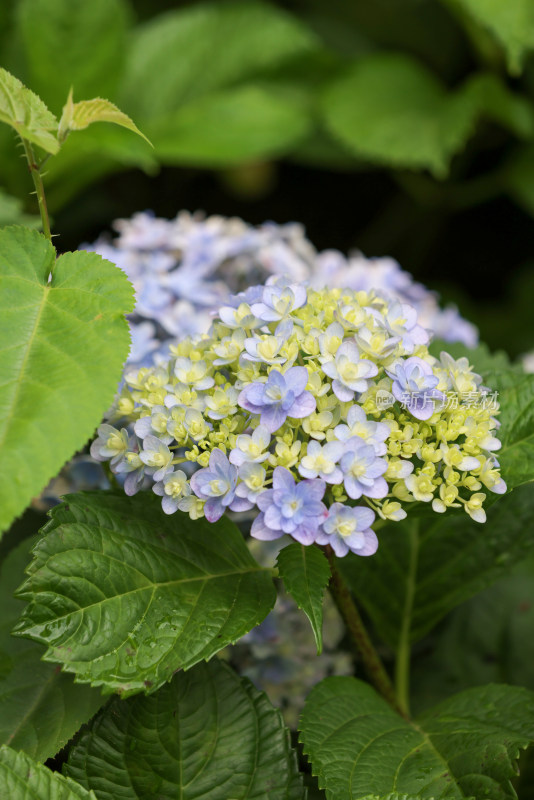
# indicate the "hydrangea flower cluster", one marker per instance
pixel 319 410
pixel 184 269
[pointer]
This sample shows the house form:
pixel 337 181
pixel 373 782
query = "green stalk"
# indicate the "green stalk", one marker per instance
pixel 402 665
pixel 39 188
pixel 372 662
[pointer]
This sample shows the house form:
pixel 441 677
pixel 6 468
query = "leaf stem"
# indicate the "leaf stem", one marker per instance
pixel 39 188
pixel 351 616
pixel 402 664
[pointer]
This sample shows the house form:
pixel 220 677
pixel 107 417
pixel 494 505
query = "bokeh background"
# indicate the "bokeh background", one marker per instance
pixel 396 127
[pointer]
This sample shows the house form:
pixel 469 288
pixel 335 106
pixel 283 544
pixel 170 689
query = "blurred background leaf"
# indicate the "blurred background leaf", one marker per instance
pixel 411 121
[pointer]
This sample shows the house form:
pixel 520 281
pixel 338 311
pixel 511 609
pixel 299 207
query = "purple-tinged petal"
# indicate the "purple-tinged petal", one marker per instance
pixel 259 530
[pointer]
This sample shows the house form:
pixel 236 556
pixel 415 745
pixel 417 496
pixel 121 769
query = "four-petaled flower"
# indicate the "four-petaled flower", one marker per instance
pixel 348 528
pixel 350 373
pixel 289 507
pixel 282 396
pixel 414 386
pixel 321 461
pixel 362 470
pixel 216 485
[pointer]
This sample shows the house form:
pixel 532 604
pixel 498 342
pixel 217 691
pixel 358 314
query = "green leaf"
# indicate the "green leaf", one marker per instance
pixel 306 572
pixel 62 346
pixel 486 640
pixel 423 568
pixel 516 456
pixel 11 212
pixel 124 595
pixel 207 734
pixel 73 43
pixel 41 707
pixel 464 748
pixel 495 101
pixel 26 113
pixel 390 109
pixel 231 126
pixel 77 116
pixel 167 62
pixel 22 778
pixel 511 23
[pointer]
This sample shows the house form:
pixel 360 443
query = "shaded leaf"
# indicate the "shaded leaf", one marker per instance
pixel 22 778
pixel 12 213
pixel 73 43
pixel 124 595
pixel 464 748
pixel 167 62
pixel 62 346
pixel 518 177
pixel 511 23
pixel 390 109
pixel 26 113
pixel 77 116
pixel 306 572
pixel 208 734
pixel 424 568
pixel 486 640
pixel 232 126
pixel 42 708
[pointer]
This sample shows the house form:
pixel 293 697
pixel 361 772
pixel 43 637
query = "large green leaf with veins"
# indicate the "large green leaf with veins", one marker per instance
pixel 42 708
pixel 124 595
pixel 63 342
pixel 464 748
pixel 206 735
pixel 424 567
pixel 22 778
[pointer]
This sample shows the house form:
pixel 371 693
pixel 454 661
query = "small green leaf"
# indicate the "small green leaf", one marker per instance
pixel 22 778
pixel 423 568
pixel 208 734
pixel 306 572
pixel 464 748
pixel 26 113
pixel 77 116
pixel 42 708
pixel 511 23
pixel 124 595
pixel 72 43
pixel 390 109
pixel 62 346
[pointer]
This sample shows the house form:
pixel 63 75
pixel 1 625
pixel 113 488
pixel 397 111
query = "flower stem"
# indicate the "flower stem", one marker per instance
pixel 39 188
pixel 402 665
pixel 347 608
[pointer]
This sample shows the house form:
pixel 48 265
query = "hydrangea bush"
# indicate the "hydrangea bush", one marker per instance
pixel 329 424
